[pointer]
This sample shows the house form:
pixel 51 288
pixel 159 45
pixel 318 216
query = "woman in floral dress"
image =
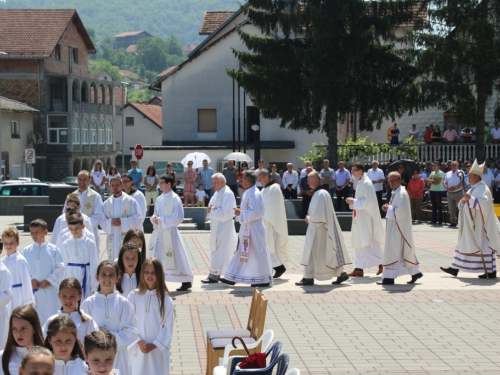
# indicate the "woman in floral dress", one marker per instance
pixel 189 188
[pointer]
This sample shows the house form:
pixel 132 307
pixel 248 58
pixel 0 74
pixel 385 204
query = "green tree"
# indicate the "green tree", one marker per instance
pixel 459 57
pixel 105 66
pixel 174 47
pixel 320 61
pixel 152 53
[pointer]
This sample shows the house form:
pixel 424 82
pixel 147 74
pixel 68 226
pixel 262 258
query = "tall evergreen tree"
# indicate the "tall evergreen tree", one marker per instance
pixel 459 56
pixel 319 62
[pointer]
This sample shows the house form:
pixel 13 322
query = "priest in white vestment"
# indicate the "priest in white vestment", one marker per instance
pixel 166 243
pixel 478 237
pixel 325 253
pixel 275 223
pixel 399 251
pixel 120 213
pixel 5 304
pixel 223 237
pixel 367 231
pixel 130 189
pixel 251 264
pixel 91 203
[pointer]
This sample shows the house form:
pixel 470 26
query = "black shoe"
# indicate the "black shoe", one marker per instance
pixel 259 285
pixel 491 275
pixel 453 225
pixel 208 280
pixel 305 282
pixel 415 278
pixel 222 280
pixel 386 282
pixel 343 277
pixel 451 271
pixel 184 287
pixel 280 270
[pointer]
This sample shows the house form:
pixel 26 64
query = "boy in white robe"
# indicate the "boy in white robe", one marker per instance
pixel 166 243
pixel 223 236
pixel 367 231
pixel 22 294
pixel 478 236
pixel 72 202
pixel 46 270
pixel 120 213
pixel 325 253
pixel 399 251
pixel 5 299
pixel 251 264
pixel 80 256
pixel 275 223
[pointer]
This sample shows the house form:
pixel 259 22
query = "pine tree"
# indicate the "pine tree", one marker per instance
pixel 318 62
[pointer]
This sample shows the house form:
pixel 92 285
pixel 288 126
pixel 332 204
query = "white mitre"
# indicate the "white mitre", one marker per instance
pixel 476 168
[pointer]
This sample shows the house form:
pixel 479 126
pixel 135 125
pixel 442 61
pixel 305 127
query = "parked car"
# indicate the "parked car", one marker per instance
pixel 20 180
pixel 28 189
pixel 70 180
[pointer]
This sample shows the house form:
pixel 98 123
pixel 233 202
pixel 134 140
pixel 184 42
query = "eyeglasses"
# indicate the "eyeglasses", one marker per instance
pixel 394 180
pixel 126 181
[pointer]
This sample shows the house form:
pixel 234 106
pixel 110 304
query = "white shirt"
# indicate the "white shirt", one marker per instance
pixel 98 177
pixel 451 179
pixel 495 133
pixel 200 195
pixel 376 175
pixel 290 179
pixel 488 179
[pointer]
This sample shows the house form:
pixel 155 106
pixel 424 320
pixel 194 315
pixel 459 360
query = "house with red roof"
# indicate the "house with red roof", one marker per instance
pixel 46 67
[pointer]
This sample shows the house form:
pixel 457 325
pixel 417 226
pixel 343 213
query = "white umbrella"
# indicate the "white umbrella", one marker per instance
pixel 196 158
pixel 238 156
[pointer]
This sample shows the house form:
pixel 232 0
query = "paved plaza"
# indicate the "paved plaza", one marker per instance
pixel 440 325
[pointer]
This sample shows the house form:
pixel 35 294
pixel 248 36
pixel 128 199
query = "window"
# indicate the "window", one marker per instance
pixel 58 129
pixel 57 52
pixel 76 132
pixel 85 132
pixel 14 128
pixel 129 121
pixel 93 133
pixel 207 120
pixel 101 133
pixel 75 55
pixel 109 133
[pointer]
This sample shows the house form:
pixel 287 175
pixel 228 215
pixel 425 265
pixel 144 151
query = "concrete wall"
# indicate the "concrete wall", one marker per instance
pixel 15 205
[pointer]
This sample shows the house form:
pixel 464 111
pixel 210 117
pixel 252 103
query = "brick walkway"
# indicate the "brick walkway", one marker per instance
pixel 441 325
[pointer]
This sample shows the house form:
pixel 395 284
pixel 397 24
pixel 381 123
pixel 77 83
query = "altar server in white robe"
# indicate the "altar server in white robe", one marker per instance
pixel 112 311
pixel 399 251
pixel 16 263
pixel 5 307
pixel 120 213
pixel 251 264
pixel 72 201
pixel 66 233
pixel 166 243
pixel 131 190
pixel 367 231
pixel 91 203
pixel 325 253
pixel 223 236
pixel 46 270
pixel 275 223
pixel 154 309
pixel 478 230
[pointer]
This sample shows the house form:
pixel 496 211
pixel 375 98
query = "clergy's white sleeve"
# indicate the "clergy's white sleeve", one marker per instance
pixel 98 213
pixel 255 212
pixel 128 322
pixel 56 231
pixel 141 201
pixel 105 222
pixel 5 287
pixel 358 203
pixel 226 212
pixel 133 221
pixel 473 203
pixel 57 274
pixel 176 218
pixel 94 262
pixel 24 275
pixel 390 213
pixel 164 337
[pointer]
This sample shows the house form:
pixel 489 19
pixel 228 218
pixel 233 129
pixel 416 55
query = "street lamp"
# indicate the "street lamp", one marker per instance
pixel 124 84
pixel 1 161
pixel 256 129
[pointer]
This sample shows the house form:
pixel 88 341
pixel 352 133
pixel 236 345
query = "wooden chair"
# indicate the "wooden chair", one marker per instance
pixel 216 346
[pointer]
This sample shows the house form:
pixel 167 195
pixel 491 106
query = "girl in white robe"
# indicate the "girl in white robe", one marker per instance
pixel 113 312
pixel 130 261
pixel 100 352
pixel 37 360
pixel 5 298
pixel 70 296
pixel 62 340
pixel 24 331
pixel 150 354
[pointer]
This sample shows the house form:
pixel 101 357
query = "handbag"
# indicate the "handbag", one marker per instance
pixel 256 360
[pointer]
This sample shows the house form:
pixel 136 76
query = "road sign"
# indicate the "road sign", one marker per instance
pixel 138 151
pixel 29 156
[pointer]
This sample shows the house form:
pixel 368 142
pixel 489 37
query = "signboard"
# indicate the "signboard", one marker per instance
pixel 138 152
pixel 29 156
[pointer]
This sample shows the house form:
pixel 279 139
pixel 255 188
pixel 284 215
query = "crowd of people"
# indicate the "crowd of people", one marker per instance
pixel 63 308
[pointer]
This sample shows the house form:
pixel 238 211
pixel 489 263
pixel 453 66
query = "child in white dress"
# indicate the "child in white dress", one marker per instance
pixel 37 360
pixel 100 351
pixel 130 261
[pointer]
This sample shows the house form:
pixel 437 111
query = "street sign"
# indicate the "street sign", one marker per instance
pixel 138 151
pixel 29 156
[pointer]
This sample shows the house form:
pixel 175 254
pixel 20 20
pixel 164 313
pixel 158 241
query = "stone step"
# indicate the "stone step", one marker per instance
pixel 187 220
pixel 188 226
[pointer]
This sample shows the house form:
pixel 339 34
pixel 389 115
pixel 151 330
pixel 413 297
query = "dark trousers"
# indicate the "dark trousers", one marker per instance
pixel 379 200
pixel 290 194
pixel 234 189
pixel 306 201
pixel 342 194
pixel 437 207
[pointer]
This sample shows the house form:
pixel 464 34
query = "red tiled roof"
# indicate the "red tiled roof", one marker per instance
pixel 35 33
pixel 189 48
pixel 166 71
pixel 212 20
pixel 129 33
pixel 151 111
pixel 132 48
